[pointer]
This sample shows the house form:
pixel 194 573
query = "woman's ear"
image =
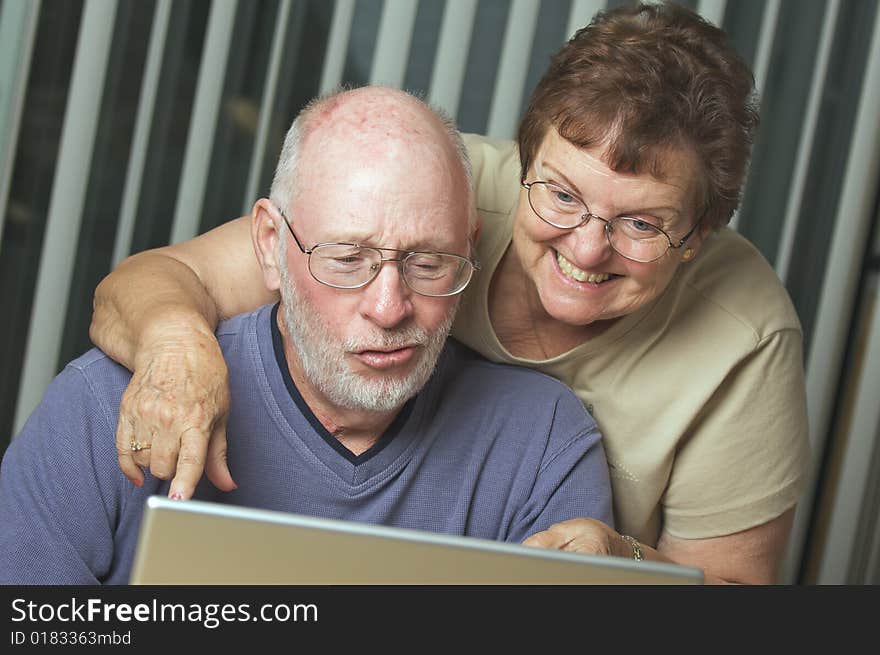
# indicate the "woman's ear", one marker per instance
pixel 474 236
pixel 265 225
pixel 692 248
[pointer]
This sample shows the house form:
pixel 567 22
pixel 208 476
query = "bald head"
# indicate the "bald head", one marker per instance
pixel 370 128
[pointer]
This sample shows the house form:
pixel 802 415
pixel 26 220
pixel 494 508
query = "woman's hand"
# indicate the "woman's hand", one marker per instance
pixel 752 556
pixel 582 536
pixel 172 417
pixel 156 315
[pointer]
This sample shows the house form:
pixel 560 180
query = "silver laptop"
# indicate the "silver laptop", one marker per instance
pixel 194 542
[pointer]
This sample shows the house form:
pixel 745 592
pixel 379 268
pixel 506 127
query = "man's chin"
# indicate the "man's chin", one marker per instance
pixel 380 400
pixel 383 391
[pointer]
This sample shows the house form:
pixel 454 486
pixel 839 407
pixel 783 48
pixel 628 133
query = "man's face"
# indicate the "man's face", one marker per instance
pixel 371 348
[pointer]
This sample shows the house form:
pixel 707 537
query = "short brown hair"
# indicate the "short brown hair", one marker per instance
pixel 641 80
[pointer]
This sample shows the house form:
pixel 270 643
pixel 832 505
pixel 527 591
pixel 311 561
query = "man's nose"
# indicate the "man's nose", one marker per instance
pixel 386 300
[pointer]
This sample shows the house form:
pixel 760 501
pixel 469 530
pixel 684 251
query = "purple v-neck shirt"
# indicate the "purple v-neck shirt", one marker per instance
pixel 484 450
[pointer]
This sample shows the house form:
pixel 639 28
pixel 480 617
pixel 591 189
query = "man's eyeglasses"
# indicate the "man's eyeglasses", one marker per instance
pixel 629 237
pixel 352 265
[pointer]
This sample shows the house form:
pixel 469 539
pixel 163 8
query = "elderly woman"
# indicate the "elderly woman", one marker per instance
pixel 606 264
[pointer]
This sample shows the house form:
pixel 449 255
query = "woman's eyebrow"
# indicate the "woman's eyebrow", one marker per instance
pixel 568 183
pixel 670 212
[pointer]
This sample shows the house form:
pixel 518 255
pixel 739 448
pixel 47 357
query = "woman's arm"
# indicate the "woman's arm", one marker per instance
pixel 752 556
pixel 156 314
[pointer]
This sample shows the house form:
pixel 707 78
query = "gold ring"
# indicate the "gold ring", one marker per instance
pixel 137 445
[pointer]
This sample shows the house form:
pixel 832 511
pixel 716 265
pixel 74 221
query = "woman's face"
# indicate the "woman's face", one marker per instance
pixel 578 278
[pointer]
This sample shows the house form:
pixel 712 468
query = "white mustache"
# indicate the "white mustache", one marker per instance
pixel 387 340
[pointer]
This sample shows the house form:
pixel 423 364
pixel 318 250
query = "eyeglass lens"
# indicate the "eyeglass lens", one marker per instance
pixel 348 266
pixel 631 237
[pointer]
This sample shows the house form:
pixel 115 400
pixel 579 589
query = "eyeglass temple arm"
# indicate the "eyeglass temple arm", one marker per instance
pixel 690 232
pixel 292 233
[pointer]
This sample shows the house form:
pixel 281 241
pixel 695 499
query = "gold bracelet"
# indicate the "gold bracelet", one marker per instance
pixel 636 546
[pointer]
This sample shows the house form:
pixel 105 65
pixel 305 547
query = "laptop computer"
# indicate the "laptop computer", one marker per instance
pixel 196 542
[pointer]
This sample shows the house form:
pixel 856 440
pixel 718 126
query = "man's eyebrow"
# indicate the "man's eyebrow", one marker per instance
pixel 414 246
pixel 428 246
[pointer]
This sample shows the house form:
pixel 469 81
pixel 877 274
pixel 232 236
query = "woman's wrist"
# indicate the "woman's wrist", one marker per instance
pixel 632 548
pixel 173 328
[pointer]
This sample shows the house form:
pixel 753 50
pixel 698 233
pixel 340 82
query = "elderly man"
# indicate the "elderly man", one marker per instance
pixel 347 400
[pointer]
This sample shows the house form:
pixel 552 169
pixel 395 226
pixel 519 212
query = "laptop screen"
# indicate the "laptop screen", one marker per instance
pixel 195 542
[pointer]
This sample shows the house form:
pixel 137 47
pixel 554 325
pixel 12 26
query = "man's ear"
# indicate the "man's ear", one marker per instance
pixel 266 221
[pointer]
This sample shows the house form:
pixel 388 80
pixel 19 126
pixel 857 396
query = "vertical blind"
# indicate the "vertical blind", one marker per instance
pixel 129 124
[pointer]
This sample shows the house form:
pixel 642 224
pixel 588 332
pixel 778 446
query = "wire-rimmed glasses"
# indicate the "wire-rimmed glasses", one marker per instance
pixel 629 237
pixel 353 265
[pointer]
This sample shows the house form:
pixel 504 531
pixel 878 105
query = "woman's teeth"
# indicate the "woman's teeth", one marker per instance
pixel 575 273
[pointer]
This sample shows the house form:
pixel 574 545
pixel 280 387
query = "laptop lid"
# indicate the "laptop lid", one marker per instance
pixel 195 542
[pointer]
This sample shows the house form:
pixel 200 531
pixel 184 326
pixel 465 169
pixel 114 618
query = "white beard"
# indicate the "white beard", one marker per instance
pixel 323 358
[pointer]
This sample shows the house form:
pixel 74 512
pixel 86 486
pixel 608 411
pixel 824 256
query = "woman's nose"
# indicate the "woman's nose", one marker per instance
pixel 589 243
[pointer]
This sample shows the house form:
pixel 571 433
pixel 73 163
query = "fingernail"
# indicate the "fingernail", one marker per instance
pixel 138 483
pixel 176 496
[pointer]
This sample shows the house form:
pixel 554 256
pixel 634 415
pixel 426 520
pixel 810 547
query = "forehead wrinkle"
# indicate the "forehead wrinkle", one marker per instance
pixel 397 200
pixel 648 193
pixel 402 220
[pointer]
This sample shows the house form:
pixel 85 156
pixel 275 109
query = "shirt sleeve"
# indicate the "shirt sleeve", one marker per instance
pixel 572 480
pixel 747 455
pixel 57 512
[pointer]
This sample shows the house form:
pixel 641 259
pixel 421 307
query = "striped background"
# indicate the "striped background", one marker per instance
pixel 129 124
